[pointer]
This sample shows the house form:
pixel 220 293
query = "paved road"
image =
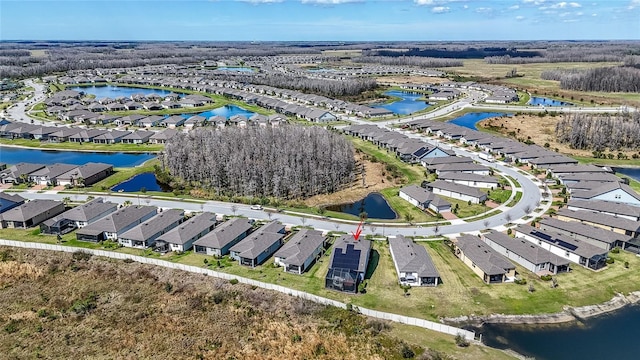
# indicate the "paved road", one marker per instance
pixel 18 111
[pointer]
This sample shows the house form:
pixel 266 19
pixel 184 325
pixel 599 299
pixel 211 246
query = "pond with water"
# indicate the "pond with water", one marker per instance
pixel 604 337
pixel 408 103
pixel 540 101
pixel 110 91
pixel 11 155
pixel 226 111
pixel 137 183
pixel 471 119
pixel 633 173
pixel 373 204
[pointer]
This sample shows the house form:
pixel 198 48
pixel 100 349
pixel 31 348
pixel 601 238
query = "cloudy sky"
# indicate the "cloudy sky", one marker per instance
pixel 338 20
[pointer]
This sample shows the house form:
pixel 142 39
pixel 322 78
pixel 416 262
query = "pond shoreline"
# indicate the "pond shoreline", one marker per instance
pixel 567 315
pixel 79 150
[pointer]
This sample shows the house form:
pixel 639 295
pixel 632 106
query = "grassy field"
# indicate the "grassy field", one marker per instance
pixel 403 207
pixel 412 173
pixel 82 305
pixel 122 174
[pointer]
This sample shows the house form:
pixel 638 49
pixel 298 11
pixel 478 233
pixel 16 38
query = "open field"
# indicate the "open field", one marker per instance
pixel 82 306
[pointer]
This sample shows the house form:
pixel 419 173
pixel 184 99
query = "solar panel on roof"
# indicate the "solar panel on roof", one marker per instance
pixel 349 259
pixel 566 245
pixel 420 152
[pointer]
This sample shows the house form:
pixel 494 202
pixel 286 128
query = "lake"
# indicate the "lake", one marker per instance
pixel 408 103
pixel 471 119
pixel 373 204
pixel 47 157
pixel 633 173
pixel 145 180
pixel 540 101
pixel 110 91
pixel 604 337
pixel 226 111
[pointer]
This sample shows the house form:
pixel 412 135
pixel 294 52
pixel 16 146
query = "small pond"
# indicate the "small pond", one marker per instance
pixel 633 173
pixel 234 68
pixel 11 155
pixel 471 119
pixel 408 103
pixel 373 204
pixel 540 101
pixel 112 92
pixel 226 111
pixel 137 183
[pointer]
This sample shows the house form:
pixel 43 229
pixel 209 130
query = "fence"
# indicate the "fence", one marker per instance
pixel 469 335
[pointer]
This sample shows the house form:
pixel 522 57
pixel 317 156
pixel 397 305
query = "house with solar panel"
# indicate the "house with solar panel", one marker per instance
pixel 413 264
pixel 348 264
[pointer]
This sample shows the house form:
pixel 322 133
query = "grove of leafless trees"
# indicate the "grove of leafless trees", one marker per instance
pixel 599 132
pixel 610 79
pixel 422 62
pixel 327 87
pixel 287 162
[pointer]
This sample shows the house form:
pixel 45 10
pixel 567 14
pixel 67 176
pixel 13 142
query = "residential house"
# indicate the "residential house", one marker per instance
pixel 608 222
pixel 423 199
pixel 8 201
pixel 348 264
pixel 86 175
pixel 30 214
pixel 113 225
pixel 48 175
pixel 259 245
pixel 86 135
pixel 412 262
pixel 137 137
pixel 605 239
pixel 457 191
pixel 222 238
pixel 613 191
pixel 163 136
pixel 182 237
pixel 473 180
pixel 464 167
pixel 301 251
pixel 576 251
pixel 111 137
pixel 144 235
pixel 490 265
pixel 19 173
pixel 530 256
pixel 616 209
pixel 150 121
pixel 173 121
pixel 78 217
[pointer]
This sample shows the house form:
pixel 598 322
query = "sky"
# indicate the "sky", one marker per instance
pixel 319 20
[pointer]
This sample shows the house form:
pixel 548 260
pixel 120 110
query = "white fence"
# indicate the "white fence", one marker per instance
pixel 469 335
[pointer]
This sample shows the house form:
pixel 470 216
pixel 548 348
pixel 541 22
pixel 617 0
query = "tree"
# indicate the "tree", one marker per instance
pixel 127 203
pixel 409 217
pixel 234 209
pixel 66 200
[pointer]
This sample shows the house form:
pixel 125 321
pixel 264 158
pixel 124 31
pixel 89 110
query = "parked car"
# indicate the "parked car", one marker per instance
pixel 256 207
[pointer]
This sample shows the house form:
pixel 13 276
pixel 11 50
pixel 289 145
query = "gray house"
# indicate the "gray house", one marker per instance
pixel 144 235
pixel 87 174
pixel 490 265
pixel 111 226
pixel 78 217
pixel 19 172
pixel 8 201
pixel 182 237
pixel 348 264
pixel 30 213
pixel 49 174
pixel 413 264
pixel 602 238
pixel 457 191
pixel 257 247
pixel 423 199
pixel 302 249
pixel 221 239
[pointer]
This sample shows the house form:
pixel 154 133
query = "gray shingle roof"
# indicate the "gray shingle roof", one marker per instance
pixel 457 188
pixel 417 193
pixel 601 219
pixel 29 209
pixel 224 233
pixel 527 250
pixel 411 257
pixel 363 245
pixel 461 176
pixel 606 206
pixel 565 242
pixel 153 226
pixel 85 212
pixel 119 220
pixel 259 240
pixel 301 246
pixel 189 229
pixel 605 188
pixel 483 256
pixel 586 230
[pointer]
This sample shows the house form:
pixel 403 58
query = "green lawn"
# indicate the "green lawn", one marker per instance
pixel 516 199
pixel 122 174
pixel 464 209
pixel 499 196
pixel 403 207
pixel 412 173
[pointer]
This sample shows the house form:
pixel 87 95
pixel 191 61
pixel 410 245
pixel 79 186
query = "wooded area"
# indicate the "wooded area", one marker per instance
pixel 599 132
pixel 287 162
pixel 610 79
pixel 423 62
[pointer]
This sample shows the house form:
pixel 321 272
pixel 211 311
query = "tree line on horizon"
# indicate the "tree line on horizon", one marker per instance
pixel 600 132
pixel 608 79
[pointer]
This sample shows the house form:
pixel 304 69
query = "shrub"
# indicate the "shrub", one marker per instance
pixel 626 264
pixel 296 338
pixel 615 250
pixel 520 281
pixel 81 255
pixel 610 261
pixel 461 341
pixel 233 281
pixel 407 352
pixel 546 277
pixel 168 287
pixel 128 260
pixel 11 327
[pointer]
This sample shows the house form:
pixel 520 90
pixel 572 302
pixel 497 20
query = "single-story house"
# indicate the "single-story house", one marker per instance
pixel 182 237
pixel 301 251
pixel 8 201
pixel 617 224
pixel 137 137
pixel 616 209
pixel 259 245
pixel 19 172
pixel 413 264
pixel 87 174
pixel 613 191
pixel 490 265
pixel 163 136
pixel 465 167
pixel 597 236
pixel 115 224
pixel 531 256
pixel 222 238
pixel 423 199
pixel 78 217
pixel 48 175
pixel 457 191
pixel 145 234
pixel 30 213
pixel 348 264
pixel 577 251
pixel 111 137
pixel 473 180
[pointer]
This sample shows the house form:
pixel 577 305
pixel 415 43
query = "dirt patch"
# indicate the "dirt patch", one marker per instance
pixel 540 130
pixel 374 180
